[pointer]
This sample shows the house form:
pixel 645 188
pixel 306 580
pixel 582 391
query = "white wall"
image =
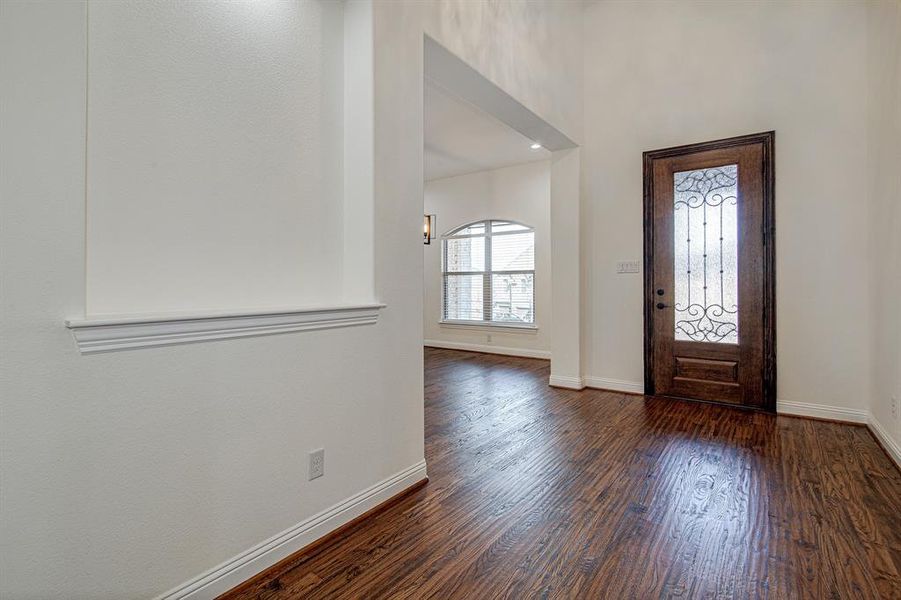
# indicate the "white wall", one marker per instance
pixel 660 74
pixel 533 50
pixel 125 474
pixel 884 189
pixel 211 126
pixel 359 148
pixel 519 193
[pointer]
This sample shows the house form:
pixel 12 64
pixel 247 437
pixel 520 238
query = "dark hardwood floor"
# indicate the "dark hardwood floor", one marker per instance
pixel 538 492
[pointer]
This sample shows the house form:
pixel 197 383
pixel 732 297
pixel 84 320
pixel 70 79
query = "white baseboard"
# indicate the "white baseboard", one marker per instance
pixel 505 350
pixel 822 411
pixel 566 381
pixel 616 385
pixel 890 445
pixel 242 567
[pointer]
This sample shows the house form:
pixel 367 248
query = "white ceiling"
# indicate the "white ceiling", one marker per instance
pixel 460 138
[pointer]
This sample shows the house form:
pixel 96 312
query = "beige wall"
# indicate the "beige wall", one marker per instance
pixel 660 74
pixel 519 193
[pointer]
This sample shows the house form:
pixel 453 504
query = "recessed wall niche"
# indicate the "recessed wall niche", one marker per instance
pixel 215 157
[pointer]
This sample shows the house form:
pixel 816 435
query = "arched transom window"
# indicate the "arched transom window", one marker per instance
pixel 488 273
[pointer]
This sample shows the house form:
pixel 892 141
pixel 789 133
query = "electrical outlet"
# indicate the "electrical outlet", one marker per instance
pixel 317 463
pixel 489 338
pixel 895 408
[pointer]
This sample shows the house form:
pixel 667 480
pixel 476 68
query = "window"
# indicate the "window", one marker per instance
pixel 489 274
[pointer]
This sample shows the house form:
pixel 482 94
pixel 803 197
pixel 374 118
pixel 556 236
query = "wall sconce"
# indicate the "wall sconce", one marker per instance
pixel 428 228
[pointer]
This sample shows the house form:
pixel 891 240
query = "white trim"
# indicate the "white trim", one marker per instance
pixel 890 445
pixel 822 411
pixel 125 333
pixel 615 385
pixel 493 325
pixel 242 567
pixel 507 351
pixel 566 381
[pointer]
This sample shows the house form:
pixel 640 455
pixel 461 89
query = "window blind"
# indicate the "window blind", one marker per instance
pixel 488 273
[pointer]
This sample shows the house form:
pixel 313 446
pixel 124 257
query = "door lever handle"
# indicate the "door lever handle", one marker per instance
pixel 661 305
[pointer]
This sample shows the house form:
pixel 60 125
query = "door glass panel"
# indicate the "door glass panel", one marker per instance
pixel 705 226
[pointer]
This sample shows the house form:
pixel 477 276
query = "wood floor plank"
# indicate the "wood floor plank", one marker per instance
pixel 537 492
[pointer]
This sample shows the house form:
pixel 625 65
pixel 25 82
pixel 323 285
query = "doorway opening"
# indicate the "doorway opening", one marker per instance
pixel 500 214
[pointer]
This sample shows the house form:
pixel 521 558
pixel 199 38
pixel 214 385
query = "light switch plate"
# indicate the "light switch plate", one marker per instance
pixel 628 266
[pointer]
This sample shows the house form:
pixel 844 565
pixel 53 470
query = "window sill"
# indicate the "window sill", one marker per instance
pixel 510 327
pixel 94 335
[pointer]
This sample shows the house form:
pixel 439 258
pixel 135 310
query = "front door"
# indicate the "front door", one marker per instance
pixel 709 272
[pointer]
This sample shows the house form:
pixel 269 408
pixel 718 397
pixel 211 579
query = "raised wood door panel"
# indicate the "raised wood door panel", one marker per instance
pixel 709 278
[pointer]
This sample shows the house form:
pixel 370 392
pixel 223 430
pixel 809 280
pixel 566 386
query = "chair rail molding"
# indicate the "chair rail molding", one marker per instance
pixel 94 334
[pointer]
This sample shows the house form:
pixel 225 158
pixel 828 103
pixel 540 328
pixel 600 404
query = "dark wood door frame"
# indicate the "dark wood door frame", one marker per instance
pixel 767 140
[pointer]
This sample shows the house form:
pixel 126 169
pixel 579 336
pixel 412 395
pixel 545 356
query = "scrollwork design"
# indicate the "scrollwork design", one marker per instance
pixel 704 185
pixel 705 324
pixel 702 189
